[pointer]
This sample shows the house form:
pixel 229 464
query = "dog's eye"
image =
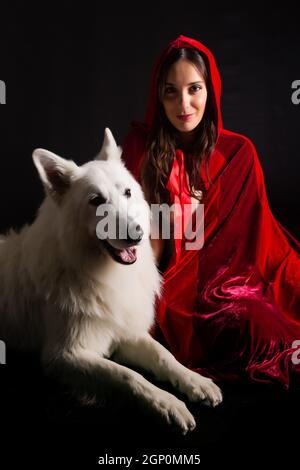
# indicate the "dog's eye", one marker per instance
pixel 97 200
pixel 127 192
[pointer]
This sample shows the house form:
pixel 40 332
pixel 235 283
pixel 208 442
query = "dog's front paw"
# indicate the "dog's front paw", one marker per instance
pixel 197 388
pixel 174 411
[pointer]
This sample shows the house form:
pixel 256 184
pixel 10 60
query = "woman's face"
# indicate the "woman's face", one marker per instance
pixel 184 96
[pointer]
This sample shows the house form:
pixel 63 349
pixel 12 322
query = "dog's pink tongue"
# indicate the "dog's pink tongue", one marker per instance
pixel 128 255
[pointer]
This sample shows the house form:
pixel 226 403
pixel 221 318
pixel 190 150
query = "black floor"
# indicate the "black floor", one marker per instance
pixel 41 423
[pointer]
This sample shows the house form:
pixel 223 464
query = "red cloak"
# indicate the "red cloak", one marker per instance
pixel 230 310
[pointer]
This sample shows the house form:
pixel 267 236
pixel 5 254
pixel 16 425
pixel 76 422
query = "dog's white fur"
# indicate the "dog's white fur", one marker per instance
pixel 63 294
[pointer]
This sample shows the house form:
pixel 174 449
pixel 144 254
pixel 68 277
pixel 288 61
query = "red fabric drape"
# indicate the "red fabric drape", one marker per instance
pixel 230 310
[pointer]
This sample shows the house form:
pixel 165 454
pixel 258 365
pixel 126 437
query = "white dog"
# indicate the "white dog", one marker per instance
pixel 86 304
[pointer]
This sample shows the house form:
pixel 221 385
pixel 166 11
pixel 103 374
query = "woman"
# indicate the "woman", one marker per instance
pixel 230 309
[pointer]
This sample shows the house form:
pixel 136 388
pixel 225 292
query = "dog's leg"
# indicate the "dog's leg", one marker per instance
pixel 89 368
pixel 147 353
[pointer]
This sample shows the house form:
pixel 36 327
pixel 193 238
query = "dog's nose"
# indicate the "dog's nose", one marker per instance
pixel 139 232
pixel 138 235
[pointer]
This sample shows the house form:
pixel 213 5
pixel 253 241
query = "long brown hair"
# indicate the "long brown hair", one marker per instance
pixel 163 140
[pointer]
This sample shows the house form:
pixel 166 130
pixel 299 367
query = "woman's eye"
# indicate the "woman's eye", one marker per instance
pixel 127 192
pixel 97 200
pixel 169 90
pixel 195 88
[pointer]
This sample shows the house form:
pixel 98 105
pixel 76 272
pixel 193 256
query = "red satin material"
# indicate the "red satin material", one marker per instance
pixel 230 310
pixel 180 198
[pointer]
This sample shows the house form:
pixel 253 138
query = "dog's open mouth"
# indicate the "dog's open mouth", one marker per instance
pixel 124 255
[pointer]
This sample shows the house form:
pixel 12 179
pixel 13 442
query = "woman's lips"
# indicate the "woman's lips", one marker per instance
pixel 185 117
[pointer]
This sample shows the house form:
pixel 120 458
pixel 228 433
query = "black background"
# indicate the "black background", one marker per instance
pixel 71 70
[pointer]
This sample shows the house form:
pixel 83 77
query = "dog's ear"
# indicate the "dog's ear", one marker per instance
pixel 109 150
pixel 55 172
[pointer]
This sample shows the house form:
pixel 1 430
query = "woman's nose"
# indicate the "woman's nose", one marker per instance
pixel 184 99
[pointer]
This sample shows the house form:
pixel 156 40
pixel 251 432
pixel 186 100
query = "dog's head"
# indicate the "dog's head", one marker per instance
pixel 99 204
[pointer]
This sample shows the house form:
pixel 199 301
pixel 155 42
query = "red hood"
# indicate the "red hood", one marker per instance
pixel 183 41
